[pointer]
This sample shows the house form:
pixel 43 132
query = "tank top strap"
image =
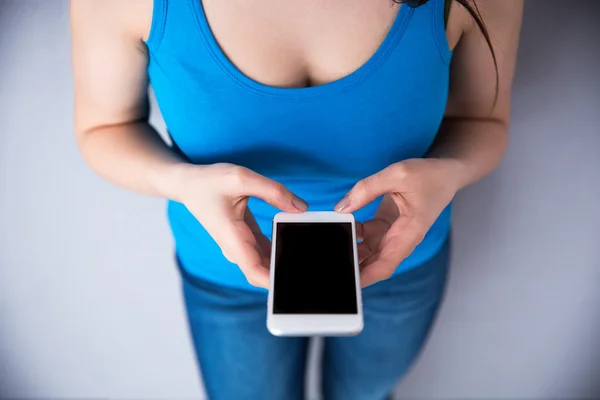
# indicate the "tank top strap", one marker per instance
pixel 427 27
pixel 172 20
pixel 439 9
pixel 159 20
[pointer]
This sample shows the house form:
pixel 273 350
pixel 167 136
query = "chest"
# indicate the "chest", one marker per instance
pixel 335 94
pixel 299 43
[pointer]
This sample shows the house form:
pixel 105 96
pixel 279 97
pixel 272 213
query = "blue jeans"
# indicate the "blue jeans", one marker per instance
pixel 240 360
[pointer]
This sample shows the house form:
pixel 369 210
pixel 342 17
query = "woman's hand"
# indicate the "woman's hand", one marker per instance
pixel 217 195
pixel 415 192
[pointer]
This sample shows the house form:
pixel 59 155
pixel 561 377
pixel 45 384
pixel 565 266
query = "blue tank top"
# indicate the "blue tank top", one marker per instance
pixel 318 141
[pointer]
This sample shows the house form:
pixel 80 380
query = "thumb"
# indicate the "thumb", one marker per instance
pixel 249 183
pixel 367 190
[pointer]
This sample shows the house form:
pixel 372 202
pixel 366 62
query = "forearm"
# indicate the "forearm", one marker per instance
pixel 133 156
pixel 472 147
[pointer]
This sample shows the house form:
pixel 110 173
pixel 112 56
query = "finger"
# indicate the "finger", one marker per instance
pixel 375 269
pixel 387 210
pixel 373 231
pixel 368 189
pixel 240 247
pixel 364 251
pixel 360 232
pixel 397 244
pixel 249 183
pixel 251 221
pixel 367 276
pixel 263 244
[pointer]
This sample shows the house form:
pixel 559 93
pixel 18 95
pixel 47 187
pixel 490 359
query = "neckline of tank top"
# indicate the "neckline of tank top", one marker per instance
pixel 377 59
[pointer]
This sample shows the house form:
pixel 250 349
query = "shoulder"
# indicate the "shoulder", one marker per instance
pixel 457 23
pixel 131 17
pixel 495 14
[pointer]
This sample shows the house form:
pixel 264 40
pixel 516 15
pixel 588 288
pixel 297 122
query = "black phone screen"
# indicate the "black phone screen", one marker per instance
pixel 314 269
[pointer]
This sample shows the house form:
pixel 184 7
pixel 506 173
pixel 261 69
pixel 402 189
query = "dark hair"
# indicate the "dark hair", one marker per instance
pixel 471 7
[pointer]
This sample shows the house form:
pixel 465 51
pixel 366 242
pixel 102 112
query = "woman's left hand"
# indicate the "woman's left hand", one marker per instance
pixel 415 192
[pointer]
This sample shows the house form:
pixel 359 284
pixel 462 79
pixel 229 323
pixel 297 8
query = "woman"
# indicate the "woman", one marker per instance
pixel 280 105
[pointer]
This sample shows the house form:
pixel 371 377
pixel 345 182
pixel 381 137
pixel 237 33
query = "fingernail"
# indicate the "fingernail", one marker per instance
pixel 342 205
pixel 300 204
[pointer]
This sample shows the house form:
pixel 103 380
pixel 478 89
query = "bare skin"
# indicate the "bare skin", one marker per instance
pixel 309 43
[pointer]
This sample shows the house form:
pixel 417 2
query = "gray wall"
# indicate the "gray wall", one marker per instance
pixel 89 296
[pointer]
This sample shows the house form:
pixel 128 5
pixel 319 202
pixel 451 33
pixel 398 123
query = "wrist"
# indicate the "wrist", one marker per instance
pixel 457 172
pixel 175 180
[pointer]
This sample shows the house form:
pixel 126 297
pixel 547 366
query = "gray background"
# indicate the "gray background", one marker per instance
pixel 89 296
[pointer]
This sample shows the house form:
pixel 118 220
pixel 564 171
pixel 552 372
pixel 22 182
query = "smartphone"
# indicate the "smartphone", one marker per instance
pixel 315 285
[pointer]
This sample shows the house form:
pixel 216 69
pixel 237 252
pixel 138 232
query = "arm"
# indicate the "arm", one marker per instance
pixel 112 130
pixel 111 103
pixel 470 143
pixel 474 134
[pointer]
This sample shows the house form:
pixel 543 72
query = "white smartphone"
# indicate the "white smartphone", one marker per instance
pixel 315 286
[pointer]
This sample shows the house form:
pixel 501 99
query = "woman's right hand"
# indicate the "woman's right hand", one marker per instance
pixel 217 195
pixel 111 88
